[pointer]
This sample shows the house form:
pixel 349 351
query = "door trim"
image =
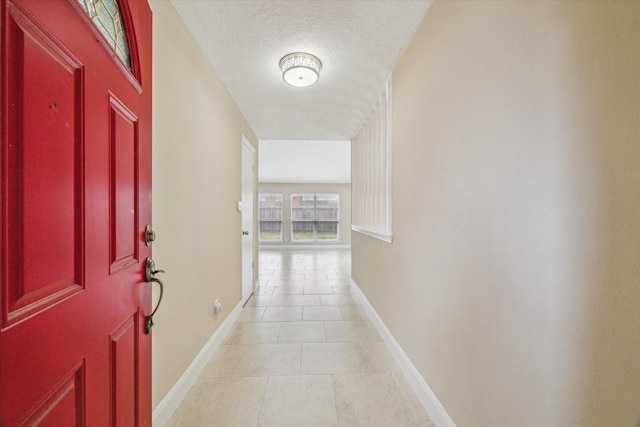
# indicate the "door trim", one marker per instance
pixel 246 144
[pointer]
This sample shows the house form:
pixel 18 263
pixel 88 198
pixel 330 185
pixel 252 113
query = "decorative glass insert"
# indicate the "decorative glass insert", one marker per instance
pixel 106 15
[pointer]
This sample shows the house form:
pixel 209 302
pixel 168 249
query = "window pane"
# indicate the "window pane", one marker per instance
pixel 302 216
pixel 327 216
pixel 270 216
pixel 302 230
pixel 326 207
pixel 314 216
pixel 327 230
pixel 302 207
pixel 270 230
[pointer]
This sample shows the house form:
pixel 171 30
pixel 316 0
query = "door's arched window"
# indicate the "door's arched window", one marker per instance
pixel 107 17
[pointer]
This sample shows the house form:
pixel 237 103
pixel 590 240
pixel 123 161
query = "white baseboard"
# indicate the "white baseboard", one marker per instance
pixel 165 409
pixel 302 246
pixel 427 397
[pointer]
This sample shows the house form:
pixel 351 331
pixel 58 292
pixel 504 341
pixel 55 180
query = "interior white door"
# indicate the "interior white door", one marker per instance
pixel 248 239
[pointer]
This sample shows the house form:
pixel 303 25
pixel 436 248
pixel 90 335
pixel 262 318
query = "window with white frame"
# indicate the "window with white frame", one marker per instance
pixel 371 171
pixel 270 216
pixel 314 217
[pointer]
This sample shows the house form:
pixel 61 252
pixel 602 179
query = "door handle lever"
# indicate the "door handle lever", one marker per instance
pixel 245 233
pixel 150 272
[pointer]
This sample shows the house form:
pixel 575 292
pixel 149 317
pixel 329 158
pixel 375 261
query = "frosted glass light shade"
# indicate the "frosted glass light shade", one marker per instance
pixel 300 69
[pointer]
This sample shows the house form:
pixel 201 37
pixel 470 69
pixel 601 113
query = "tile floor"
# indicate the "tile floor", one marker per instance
pixel 303 354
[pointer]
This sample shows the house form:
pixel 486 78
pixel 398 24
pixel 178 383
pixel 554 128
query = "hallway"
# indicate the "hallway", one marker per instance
pixel 303 354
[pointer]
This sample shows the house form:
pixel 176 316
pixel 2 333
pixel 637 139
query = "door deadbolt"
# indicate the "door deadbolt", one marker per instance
pixel 149 235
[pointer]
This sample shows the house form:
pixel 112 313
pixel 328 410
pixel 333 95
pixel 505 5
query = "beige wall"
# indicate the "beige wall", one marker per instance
pixel 286 189
pixel 197 131
pixel 513 279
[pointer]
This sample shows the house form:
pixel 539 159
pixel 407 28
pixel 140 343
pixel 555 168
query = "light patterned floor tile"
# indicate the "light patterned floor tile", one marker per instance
pixel 302 332
pixel 353 312
pixel 377 400
pixel 230 402
pixel 342 289
pixel 303 353
pixel 283 300
pixel 265 290
pixel 254 360
pixel 345 358
pixel 288 290
pixel 251 314
pixel 322 312
pixel 282 314
pixel 253 333
pixel 277 281
pixel 318 290
pixel 299 401
pixel 342 299
pixel 351 330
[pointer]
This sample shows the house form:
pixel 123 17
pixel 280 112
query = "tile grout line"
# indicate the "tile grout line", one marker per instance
pixel 300 364
pixel 335 398
pixel 264 394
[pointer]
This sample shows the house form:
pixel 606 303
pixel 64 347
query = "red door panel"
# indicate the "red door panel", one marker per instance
pixel 123 373
pixel 124 197
pixel 44 266
pixel 76 196
pixel 64 406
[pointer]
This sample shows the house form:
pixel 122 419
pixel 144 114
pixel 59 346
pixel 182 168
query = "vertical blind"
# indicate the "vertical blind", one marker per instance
pixel 371 171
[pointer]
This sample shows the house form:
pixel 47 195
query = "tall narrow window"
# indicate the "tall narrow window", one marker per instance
pixel 107 17
pixel 314 217
pixel 371 171
pixel 270 216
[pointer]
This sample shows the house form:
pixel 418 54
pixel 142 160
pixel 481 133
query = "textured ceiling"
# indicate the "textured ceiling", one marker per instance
pixel 357 41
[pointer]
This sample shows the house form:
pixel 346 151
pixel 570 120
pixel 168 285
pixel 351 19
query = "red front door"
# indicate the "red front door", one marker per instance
pixel 76 196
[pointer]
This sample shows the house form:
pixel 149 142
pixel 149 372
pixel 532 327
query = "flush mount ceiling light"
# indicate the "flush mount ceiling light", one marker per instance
pixel 300 69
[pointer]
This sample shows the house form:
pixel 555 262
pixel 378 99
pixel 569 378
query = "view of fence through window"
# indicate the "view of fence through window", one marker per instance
pixel 270 216
pixel 314 216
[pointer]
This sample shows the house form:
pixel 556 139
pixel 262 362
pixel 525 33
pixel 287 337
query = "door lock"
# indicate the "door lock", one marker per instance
pixel 149 235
